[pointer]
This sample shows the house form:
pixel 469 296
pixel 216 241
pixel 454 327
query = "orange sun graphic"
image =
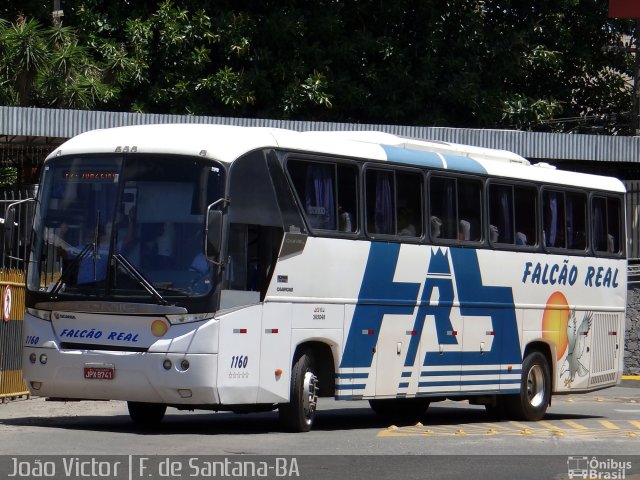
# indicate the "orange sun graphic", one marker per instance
pixel 555 320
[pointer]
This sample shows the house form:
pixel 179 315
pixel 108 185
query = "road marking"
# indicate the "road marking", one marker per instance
pixel 608 424
pixel 635 423
pixel 627 411
pixel 555 430
pixel 575 425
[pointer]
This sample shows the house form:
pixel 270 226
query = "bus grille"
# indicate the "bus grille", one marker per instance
pixel 102 348
pixel 604 348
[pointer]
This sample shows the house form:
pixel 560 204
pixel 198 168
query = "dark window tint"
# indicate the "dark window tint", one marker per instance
pixel 553 219
pixel 576 221
pixel 606 221
pixel 394 203
pixel 456 208
pixel 525 207
pixel 328 193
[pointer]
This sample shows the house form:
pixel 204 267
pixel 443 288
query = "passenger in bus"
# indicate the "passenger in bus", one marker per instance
pixel 55 237
pixel 494 233
pixel 344 220
pixel 160 251
pixel 464 230
pixel 521 238
pixel 436 226
pixel 406 226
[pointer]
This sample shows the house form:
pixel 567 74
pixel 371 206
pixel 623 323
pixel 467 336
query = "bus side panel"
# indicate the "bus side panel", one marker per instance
pixel 239 356
pixel 275 353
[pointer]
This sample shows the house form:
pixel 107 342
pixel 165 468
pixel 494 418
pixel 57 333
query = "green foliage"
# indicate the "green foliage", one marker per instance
pixel 558 65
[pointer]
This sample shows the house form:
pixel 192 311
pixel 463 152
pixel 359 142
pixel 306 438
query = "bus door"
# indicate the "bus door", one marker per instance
pixel 392 375
pixel 481 361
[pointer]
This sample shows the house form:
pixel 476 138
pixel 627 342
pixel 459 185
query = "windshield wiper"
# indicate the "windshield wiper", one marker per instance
pixel 71 269
pixel 136 275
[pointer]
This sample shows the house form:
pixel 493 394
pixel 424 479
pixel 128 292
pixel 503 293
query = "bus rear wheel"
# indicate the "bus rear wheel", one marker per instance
pixel 299 413
pixel 146 414
pixel 535 389
pixel 400 409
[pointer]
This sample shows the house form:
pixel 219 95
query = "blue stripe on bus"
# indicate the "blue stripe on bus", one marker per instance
pixel 350 387
pixel 403 385
pixel 451 383
pixel 413 157
pixel 463 373
pixel 431 159
pixel 352 375
pixel 406 374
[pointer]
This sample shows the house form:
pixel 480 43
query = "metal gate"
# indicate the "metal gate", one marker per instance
pixel 13 290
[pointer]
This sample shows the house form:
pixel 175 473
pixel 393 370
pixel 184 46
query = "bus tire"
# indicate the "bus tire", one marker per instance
pixel 400 409
pixel 535 389
pixel 299 413
pixel 146 414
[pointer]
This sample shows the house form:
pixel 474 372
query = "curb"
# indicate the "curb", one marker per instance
pixel 630 381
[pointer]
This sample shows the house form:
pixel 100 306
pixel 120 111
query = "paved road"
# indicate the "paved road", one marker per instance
pixel 602 424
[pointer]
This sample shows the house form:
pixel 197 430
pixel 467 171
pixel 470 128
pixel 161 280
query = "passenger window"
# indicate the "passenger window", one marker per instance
pixel 512 214
pixel 455 208
pixel 553 219
pixel 328 193
pixel 409 213
pixel 380 202
pixel 606 215
pixel 576 221
pixel 501 222
pixel 526 213
pixel 394 203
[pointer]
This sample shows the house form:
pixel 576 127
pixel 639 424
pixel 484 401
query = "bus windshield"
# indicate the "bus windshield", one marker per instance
pixel 124 227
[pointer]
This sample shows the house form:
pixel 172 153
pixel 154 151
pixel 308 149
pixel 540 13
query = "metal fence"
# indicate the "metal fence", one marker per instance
pixel 14 253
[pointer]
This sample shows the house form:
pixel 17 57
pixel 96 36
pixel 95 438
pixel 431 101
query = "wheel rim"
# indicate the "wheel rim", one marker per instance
pixel 536 386
pixel 310 396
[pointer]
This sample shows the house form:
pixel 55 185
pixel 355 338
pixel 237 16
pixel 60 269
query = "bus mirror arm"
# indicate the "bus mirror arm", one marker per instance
pixel 213 230
pixel 8 223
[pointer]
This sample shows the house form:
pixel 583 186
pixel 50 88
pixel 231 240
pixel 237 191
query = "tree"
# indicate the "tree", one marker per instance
pixel 47 67
pixel 557 65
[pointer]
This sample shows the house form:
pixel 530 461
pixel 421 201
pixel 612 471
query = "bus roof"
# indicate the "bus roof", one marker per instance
pixel 226 143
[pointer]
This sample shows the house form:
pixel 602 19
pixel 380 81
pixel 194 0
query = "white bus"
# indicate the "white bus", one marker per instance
pixel 253 269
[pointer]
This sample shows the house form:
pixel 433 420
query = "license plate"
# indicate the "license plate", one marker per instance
pixel 99 373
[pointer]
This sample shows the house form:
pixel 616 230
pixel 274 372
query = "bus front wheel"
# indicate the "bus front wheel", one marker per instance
pixel 146 414
pixel 535 389
pixel 298 414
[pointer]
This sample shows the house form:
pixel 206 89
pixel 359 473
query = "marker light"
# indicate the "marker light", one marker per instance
pixel 43 359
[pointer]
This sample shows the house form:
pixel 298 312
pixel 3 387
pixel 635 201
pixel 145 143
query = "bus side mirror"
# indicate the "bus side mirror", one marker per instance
pixel 214 234
pixel 7 224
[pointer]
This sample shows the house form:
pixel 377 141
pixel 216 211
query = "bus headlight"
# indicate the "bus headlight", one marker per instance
pixel 189 317
pixel 41 314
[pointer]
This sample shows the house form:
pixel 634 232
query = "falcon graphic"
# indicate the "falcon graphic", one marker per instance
pixel 576 340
